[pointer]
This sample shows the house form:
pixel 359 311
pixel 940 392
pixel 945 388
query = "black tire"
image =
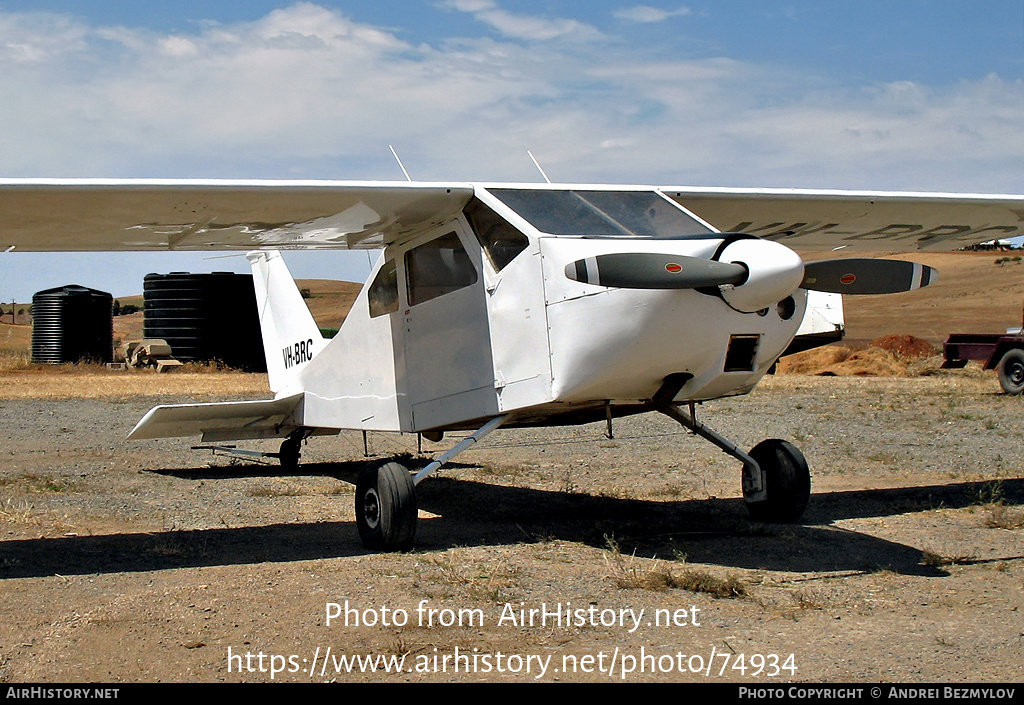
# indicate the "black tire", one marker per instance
pixel 787 482
pixel 386 507
pixel 1011 371
pixel 290 452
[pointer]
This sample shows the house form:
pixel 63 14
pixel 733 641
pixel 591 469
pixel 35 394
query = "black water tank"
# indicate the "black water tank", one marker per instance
pixel 205 317
pixel 72 323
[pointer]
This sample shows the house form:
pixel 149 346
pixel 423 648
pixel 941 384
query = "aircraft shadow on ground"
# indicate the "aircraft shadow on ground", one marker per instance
pixel 469 513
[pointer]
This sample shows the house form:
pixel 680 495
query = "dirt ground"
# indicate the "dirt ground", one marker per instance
pixel 150 561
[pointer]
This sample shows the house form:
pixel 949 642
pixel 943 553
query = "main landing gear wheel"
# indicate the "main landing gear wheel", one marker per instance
pixel 1011 371
pixel 386 507
pixel 290 453
pixel 787 482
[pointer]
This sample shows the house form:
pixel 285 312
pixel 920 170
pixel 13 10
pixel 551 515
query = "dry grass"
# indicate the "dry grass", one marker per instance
pixel 838 360
pixel 489 581
pixel 277 488
pixel 936 560
pixel 805 599
pixel 933 390
pixel 45 483
pixel 702 581
pixel 20 378
pixel 15 339
pixel 999 516
pixel 13 360
pixel 20 512
pixel 185 548
pixel 632 573
pixel 91 381
pixel 330 301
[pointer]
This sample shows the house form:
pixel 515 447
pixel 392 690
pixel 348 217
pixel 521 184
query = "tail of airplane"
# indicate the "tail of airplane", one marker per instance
pixel 290 335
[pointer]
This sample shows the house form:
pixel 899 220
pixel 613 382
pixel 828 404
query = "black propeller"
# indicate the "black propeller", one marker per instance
pixel 866 276
pixel 645 270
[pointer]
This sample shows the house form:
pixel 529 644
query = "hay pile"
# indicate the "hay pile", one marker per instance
pixel 889 356
pixel 906 347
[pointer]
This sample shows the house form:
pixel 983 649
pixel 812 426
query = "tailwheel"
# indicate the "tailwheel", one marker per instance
pixel 386 507
pixel 290 452
pixel 787 482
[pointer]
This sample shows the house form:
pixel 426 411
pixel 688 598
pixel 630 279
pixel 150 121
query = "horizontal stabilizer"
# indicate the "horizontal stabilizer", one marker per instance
pixel 866 276
pixel 221 421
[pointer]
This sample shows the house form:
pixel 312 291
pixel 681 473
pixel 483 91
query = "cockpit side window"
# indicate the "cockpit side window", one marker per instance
pixel 500 240
pixel 383 291
pixel 438 267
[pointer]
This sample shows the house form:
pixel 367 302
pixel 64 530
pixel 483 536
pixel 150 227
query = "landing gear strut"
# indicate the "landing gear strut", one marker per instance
pixel 776 480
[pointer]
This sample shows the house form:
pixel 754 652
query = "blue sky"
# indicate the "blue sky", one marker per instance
pixel 906 95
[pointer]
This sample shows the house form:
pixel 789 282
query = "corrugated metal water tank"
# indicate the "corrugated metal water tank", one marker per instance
pixel 205 317
pixel 72 323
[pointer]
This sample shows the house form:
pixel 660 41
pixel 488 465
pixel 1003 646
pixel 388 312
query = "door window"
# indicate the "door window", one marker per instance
pixel 438 267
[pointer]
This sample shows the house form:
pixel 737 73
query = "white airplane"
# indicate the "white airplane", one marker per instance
pixel 513 305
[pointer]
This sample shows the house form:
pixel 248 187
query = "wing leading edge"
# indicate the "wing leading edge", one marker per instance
pixel 858 221
pixel 53 215
pixel 63 215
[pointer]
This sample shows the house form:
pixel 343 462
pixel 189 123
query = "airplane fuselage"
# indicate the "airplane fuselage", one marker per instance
pixel 476 317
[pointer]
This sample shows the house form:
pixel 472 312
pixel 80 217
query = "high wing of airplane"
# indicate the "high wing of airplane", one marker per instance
pixel 513 304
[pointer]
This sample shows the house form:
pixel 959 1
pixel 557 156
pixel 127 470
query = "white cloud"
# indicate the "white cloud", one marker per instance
pixel 645 14
pixel 34 38
pixel 178 46
pixel 470 5
pixel 309 92
pixel 527 27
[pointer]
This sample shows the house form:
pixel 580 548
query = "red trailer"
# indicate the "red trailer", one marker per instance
pixel 1003 353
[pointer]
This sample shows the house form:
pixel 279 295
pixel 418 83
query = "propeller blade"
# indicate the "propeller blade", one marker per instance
pixel 654 271
pixel 866 276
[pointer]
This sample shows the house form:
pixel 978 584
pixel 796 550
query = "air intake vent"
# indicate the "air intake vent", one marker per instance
pixel 742 353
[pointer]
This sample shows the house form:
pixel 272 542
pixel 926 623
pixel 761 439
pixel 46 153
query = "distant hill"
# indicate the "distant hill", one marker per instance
pixel 329 301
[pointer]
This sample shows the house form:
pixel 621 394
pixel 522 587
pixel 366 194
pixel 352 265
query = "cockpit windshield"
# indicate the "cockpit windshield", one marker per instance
pixel 636 214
